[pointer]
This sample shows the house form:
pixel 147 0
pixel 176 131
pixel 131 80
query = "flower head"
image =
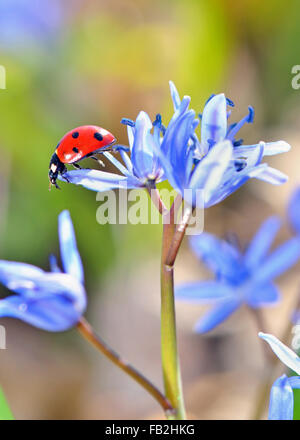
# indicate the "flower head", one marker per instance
pixel 222 163
pixel 52 301
pixel 281 399
pixel 239 277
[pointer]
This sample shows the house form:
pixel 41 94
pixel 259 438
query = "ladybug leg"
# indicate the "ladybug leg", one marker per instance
pixel 78 167
pixel 99 161
pixel 63 174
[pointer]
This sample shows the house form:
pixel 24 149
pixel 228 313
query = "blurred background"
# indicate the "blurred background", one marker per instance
pixel 76 62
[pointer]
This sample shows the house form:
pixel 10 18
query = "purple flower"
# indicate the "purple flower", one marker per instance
pixel 52 301
pixel 281 405
pixel 239 277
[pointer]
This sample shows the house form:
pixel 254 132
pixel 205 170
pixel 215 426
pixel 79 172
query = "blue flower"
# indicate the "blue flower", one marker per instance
pixel 222 162
pixel 239 277
pixel 51 301
pixel 281 405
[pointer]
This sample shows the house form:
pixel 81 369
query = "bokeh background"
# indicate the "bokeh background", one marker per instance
pixel 76 62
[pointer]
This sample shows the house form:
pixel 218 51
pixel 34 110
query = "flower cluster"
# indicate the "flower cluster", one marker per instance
pixel 239 277
pixel 218 164
pixel 52 301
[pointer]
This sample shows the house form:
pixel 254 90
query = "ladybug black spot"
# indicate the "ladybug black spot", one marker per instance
pixel 75 150
pixel 98 136
pixel 75 134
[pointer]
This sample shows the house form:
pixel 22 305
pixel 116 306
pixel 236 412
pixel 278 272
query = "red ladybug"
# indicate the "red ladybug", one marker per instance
pixel 77 144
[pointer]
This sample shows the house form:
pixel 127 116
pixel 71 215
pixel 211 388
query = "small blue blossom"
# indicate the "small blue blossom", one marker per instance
pixel 52 301
pixel 239 277
pixel 281 405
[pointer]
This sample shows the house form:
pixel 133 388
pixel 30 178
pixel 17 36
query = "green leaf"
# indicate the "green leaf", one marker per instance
pixel 5 413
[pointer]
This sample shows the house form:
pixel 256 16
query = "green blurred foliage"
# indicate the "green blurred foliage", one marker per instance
pixel 5 413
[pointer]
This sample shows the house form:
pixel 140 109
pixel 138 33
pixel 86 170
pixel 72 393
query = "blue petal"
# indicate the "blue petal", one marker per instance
pixel 53 302
pixel 15 276
pixel 172 126
pixel 53 264
pixel 281 400
pixel 294 210
pixel 222 258
pixel 208 173
pixel 174 95
pixel 216 315
pixel 294 382
pixel 262 241
pixel 252 153
pixel 214 120
pixel 100 180
pixel 284 353
pixel 271 175
pixel 142 150
pixel 70 256
pixel 203 292
pixel 278 147
pixel 262 295
pixel 226 189
pixel 284 257
pixel 127 161
pixel 51 314
pixel 124 170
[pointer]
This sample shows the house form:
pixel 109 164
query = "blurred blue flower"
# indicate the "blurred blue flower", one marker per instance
pixel 294 210
pixel 26 23
pixel 51 301
pixel 239 277
pixel 282 399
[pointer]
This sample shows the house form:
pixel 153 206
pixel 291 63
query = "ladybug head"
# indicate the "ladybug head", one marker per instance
pixel 55 167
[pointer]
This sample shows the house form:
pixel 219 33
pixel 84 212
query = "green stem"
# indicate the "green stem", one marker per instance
pixel 88 333
pixel 170 361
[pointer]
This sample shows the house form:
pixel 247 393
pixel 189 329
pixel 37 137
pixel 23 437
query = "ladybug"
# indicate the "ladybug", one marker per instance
pixel 78 144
